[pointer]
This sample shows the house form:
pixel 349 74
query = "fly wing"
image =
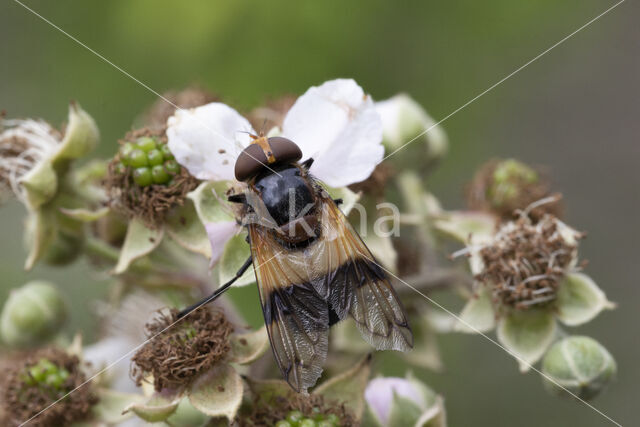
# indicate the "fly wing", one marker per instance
pixel 296 316
pixel 358 287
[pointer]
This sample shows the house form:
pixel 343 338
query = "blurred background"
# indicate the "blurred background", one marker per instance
pixel 574 111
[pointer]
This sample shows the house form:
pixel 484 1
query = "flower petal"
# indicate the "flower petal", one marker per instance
pixel 219 234
pixel 527 335
pixel 207 140
pixel 337 124
pixel 580 300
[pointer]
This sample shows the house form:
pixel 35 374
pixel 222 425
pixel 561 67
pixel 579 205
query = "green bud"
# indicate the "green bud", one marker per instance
pixel 155 157
pixel 159 175
pixel 325 423
pixel 138 158
pixel 166 152
pixel 307 422
pixel 32 314
pixel 283 423
pixel 403 119
pixel 172 167
pixel 508 178
pixel 146 143
pixel 579 364
pixel 142 177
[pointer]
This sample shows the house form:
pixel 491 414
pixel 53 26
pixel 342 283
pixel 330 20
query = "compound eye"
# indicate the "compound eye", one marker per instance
pixel 250 162
pixel 284 150
pixel 253 159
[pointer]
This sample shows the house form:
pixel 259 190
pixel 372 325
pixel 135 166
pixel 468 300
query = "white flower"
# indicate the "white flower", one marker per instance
pixel 335 123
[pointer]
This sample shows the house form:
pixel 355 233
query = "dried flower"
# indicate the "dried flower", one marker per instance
pixel 179 353
pixel 527 276
pixel 33 153
pixel 525 263
pixel 33 383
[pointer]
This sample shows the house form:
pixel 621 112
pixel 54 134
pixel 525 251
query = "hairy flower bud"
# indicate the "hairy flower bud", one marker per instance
pixel 503 187
pixel 403 121
pixel 579 364
pixel 32 314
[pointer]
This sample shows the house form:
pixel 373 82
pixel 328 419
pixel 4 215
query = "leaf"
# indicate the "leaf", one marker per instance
pixel 207 201
pixel 86 215
pixel 111 405
pixel 183 225
pixel 236 252
pixel 527 334
pixel 40 234
pixel 348 387
pixel 81 135
pixel 246 348
pixel 478 314
pixel 579 300
pixel 158 407
pixel 138 242
pixel 40 185
pixel 217 392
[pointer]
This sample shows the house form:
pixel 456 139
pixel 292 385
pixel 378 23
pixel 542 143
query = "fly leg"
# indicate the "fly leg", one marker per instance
pixel 218 291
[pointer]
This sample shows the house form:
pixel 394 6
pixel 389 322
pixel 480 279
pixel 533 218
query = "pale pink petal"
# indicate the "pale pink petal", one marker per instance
pixel 219 234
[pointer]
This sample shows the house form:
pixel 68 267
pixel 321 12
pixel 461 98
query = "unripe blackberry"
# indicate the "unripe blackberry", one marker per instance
pixel 172 167
pixel 138 158
pixel 159 175
pixel 146 143
pixel 151 161
pixel 155 157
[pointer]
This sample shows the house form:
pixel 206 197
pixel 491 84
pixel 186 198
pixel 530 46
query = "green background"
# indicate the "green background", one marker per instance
pixel 574 111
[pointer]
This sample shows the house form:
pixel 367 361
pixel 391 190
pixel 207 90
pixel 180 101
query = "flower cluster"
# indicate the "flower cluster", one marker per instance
pixel 156 219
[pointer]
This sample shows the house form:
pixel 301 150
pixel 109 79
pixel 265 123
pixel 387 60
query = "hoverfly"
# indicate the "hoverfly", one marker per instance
pixel 312 268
